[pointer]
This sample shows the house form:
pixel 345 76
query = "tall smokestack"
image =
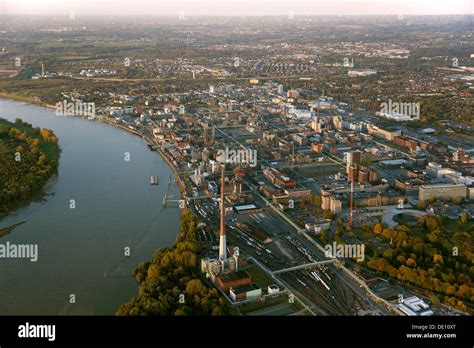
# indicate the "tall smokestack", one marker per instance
pixel 222 240
pixel 352 201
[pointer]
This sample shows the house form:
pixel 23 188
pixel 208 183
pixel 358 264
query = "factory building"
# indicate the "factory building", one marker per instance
pixel 232 279
pixel 245 292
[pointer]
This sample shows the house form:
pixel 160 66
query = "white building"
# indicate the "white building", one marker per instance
pixel 414 306
pixel 437 171
pixel 322 104
pixel 396 116
pixel 273 289
pixel 357 73
pixel 280 89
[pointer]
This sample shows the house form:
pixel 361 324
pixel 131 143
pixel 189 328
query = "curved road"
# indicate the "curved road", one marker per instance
pixel 388 216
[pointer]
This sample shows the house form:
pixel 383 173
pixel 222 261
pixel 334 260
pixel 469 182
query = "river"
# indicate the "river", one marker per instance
pixel 81 250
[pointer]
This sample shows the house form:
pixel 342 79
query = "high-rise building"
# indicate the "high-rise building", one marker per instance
pixel 315 124
pixel 237 185
pixel 353 158
pixel 363 176
pixel 337 120
pixel 205 155
pixel 443 191
pixel 353 172
pixel 325 200
pixel 335 205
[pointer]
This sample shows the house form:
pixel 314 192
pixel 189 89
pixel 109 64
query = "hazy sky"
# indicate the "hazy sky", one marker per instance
pixel 236 7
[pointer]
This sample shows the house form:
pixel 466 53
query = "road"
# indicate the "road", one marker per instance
pixel 325 289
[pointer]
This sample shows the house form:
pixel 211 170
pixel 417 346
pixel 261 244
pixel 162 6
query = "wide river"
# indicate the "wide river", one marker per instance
pixel 81 250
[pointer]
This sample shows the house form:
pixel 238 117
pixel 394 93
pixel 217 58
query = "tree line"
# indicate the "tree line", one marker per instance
pixel 439 261
pixel 171 283
pixel 28 158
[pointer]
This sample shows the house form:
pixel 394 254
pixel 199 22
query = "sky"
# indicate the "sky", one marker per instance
pixel 236 7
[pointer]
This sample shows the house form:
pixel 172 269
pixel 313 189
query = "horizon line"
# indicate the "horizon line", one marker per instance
pixel 236 15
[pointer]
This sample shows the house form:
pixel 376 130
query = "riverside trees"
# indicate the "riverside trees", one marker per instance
pixel 28 158
pixel 171 284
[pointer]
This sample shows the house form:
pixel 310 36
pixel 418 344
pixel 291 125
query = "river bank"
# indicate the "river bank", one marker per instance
pixel 30 100
pixel 29 158
pixel 104 120
pixel 7 230
pixel 35 101
pixel 115 208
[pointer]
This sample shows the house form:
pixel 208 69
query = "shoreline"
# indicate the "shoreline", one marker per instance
pixel 180 183
pixel 39 194
pixel 162 153
pixel 147 140
pixel 29 100
pixel 9 229
pixel 32 100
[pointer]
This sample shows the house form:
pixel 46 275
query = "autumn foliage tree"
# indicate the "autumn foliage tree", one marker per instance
pixel 378 228
pixel 440 261
pixel 25 165
pixel 172 284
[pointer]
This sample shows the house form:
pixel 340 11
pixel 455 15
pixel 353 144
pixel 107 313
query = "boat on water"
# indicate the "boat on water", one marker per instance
pixel 154 180
pixel 152 147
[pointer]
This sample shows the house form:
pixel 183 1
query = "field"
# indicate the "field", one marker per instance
pixel 259 277
pixel 273 306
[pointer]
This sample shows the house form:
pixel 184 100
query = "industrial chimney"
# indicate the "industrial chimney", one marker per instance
pixel 222 240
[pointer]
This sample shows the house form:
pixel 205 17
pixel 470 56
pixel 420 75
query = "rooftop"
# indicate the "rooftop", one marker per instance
pixel 233 276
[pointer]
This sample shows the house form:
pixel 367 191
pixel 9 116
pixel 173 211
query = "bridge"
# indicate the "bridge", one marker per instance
pixel 307 265
pixel 179 198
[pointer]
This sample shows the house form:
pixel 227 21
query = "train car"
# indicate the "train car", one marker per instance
pixel 302 283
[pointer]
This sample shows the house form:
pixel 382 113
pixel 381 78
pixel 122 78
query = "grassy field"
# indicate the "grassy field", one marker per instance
pixel 271 306
pixel 259 277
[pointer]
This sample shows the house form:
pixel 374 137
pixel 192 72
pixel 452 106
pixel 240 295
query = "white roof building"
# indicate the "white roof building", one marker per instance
pixel 414 306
